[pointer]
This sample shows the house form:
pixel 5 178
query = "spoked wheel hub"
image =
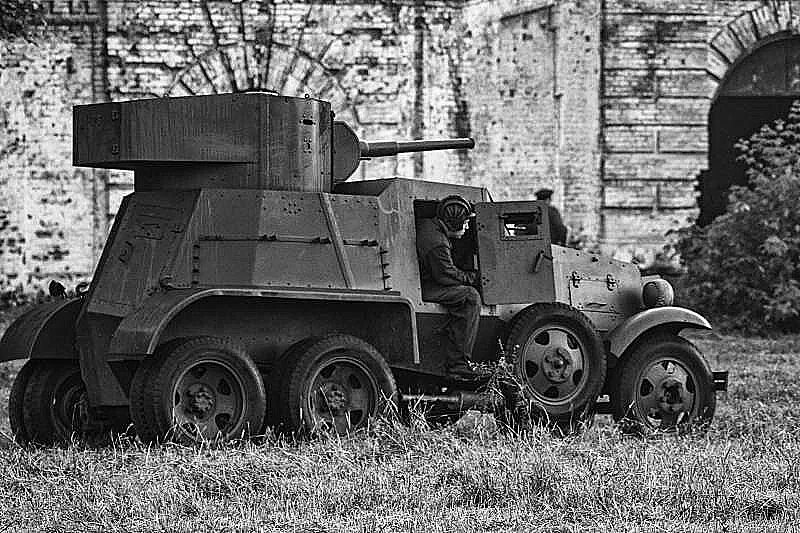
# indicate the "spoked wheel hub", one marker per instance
pixel 342 395
pixel 200 400
pixel 665 393
pixel 335 398
pixel 558 364
pixel 552 362
pixel 208 400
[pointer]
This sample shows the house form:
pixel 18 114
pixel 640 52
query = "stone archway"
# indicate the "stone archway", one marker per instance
pixel 758 90
pixel 274 66
pixel 245 55
pixel 755 64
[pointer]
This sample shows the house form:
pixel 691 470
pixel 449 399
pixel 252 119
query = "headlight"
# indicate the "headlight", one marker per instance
pixel 657 293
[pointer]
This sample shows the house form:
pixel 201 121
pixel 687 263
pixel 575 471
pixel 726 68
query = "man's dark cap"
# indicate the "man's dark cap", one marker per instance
pixel 544 194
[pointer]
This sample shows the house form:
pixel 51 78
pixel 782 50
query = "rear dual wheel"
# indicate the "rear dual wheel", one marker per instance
pixel 195 390
pixel 49 405
pixel 331 384
pixel 16 401
pixel 205 389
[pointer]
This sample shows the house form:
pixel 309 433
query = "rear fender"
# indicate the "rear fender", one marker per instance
pixel 141 332
pixel 670 318
pixel 45 332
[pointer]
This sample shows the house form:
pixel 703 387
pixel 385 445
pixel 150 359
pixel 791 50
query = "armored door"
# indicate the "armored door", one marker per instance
pixel 514 252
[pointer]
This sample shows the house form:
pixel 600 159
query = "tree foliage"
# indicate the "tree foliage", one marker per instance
pixel 743 267
pixel 18 18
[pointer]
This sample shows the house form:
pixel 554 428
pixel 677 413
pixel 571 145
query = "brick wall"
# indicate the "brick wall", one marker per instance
pixel 388 69
pixel 47 207
pixel 532 85
pixel 606 102
pixel 484 69
pixel 662 64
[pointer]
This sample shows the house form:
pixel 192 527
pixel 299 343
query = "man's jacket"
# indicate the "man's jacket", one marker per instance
pixel 435 253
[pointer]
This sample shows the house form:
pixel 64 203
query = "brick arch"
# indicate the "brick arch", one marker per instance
pixel 278 67
pixel 745 34
pixel 755 79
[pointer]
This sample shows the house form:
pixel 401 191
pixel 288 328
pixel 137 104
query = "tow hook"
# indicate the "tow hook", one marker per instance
pixel 720 380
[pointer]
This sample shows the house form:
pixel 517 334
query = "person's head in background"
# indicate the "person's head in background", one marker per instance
pixel 545 195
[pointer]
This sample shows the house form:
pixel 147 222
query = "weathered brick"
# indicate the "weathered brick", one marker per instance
pixel 655 195
pixel 685 83
pixel 622 82
pixel 639 55
pixel 605 102
pixel 625 111
pixel 657 166
pixel 655 27
pixel 654 6
pixel 627 139
pixel 683 139
pixel 644 226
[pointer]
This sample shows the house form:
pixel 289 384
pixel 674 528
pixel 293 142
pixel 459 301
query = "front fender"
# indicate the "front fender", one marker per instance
pixel 676 318
pixel 45 332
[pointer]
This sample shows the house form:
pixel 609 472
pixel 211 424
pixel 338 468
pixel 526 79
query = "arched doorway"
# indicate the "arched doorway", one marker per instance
pixel 758 90
pixel 274 66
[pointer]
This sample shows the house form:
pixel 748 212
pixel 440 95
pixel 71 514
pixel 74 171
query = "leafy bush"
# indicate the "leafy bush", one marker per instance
pixel 743 267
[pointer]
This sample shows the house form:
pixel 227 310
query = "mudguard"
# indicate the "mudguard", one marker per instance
pixel 675 318
pixel 139 332
pixel 45 332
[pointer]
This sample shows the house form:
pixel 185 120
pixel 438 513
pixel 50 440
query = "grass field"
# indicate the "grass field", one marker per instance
pixel 744 475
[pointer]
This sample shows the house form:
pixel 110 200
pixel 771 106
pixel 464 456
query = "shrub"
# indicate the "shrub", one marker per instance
pixel 743 267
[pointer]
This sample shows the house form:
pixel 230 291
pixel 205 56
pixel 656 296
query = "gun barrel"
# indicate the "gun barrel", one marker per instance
pixel 384 148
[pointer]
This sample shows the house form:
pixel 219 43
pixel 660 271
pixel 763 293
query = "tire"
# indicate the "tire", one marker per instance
pixel 16 401
pixel 277 378
pixel 196 390
pixel 664 385
pixel 560 363
pixel 331 384
pixel 139 408
pixel 55 405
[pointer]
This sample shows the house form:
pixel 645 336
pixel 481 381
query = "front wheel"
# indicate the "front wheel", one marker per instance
pixel 664 385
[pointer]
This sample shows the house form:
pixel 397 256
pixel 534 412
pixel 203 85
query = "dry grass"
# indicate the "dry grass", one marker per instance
pixel 743 475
